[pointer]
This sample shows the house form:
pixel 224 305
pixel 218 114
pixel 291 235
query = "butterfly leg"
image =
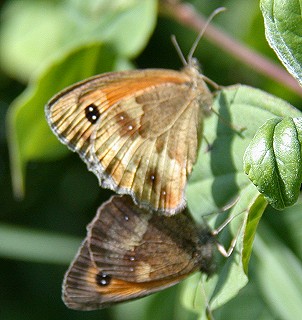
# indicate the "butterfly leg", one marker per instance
pixel 234 128
pixel 227 252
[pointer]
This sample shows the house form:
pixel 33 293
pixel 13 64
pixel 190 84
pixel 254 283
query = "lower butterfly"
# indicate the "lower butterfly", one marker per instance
pixel 130 253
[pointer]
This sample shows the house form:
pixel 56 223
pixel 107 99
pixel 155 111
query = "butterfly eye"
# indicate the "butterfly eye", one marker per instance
pixel 92 113
pixel 102 279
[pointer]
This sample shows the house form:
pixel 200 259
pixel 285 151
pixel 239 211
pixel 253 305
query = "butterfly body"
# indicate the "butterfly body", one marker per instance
pixel 130 253
pixel 136 130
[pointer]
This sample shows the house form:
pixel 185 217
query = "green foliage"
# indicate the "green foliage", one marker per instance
pixel 26 124
pixel 219 173
pixel 283 32
pixel 218 177
pixel 286 278
pixel 37 246
pixel 273 161
pixel 52 44
pixel 65 26
pixel 92 38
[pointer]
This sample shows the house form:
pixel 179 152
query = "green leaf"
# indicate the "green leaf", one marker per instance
pixel 39 246
pixel 255 211
pixel 283 30
pixel 247 305
pixel 35 32
pixel 273 161
pixel 218 178
pixel 79 53
pixel 29 136
pixel 30 32
pixel 231 274
pixel 218 174
pixel 279 274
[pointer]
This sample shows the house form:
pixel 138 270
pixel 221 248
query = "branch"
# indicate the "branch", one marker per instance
pixel 186 15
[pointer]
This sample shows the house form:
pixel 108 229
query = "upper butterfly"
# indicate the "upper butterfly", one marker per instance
pixel 136 130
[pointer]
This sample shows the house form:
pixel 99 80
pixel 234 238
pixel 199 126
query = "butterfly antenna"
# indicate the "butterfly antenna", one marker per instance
pixel 201 33
pixel 178 50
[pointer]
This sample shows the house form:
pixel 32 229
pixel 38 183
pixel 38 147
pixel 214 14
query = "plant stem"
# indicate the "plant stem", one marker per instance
pixel 186 15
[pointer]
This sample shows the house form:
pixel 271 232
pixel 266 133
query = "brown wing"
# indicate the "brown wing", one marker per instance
pixel 130 253
pixel 136 130
pixel 87 288
pixel 79 282
pixel 130 244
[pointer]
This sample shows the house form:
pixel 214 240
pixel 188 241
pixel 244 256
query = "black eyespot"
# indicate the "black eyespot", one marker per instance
pixel 92 113
pixel 153 177
pixel 102 279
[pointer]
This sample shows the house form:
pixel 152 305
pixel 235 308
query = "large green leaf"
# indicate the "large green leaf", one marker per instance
pixel 78 51
pixel 218 178
pixel 279 273
pixel 231 273
pixel 218 174
pixel 29 136
pixel 34 32
pixel 283 30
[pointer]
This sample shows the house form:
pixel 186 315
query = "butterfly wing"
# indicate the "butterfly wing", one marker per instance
pixel 129 253
pixel 136 130
pixel 79 285
pixel 84 286
pixel 131 244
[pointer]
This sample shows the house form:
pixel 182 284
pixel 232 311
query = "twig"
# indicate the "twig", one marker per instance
pixel 186 15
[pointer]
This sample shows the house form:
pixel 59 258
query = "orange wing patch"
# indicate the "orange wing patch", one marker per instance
pixel 136 130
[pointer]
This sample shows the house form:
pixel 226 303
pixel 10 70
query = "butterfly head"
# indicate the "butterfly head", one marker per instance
pixel 192 68
pixel 205 250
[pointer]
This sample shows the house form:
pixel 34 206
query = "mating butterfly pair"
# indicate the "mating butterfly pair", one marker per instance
pixel 138 131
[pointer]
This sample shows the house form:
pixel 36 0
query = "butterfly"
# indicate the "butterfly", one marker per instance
pixel 130 253
pixel 138 130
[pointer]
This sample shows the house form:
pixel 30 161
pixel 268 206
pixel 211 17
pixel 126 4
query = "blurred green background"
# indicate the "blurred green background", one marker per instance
pixel 40 233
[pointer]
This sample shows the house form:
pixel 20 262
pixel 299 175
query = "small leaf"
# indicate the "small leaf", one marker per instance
pixel 254 215
pixel 283 30
pixel 273 161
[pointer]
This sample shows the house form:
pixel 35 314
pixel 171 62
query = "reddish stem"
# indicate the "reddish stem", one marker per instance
pixel 187 16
